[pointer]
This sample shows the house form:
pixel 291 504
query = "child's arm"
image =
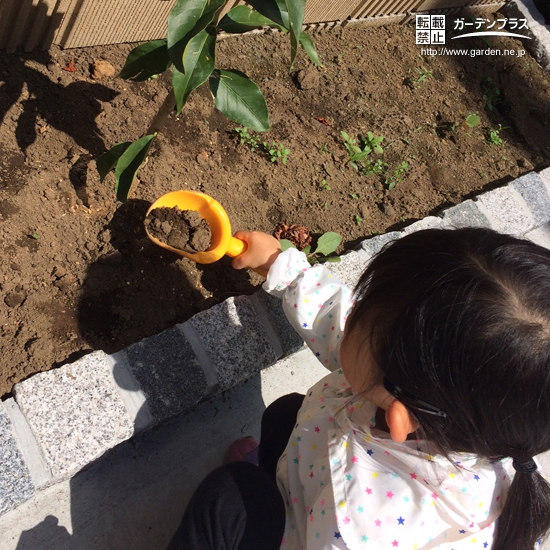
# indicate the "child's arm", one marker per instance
pixel 315 302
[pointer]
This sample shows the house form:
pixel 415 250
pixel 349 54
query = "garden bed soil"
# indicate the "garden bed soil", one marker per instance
pixel 78 272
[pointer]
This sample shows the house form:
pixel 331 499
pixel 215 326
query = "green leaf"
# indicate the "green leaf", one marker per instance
pixel 198 61
pixel 307 250
pixel 330 259
pixel 275 10
pixel 239 99
pixel 328 243
pixel 128 165
pixel 296 10
pixel 186 20
pixel 472 120
pixel 107 161
pixel 243 19
pixel 359 156
pixel 309 47
pixel 146 61
pixel 285 244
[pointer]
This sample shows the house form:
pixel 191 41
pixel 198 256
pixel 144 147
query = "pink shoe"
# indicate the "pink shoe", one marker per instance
pixel 245 450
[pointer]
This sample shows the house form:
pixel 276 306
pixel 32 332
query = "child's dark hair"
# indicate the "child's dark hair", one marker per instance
pixel 460 319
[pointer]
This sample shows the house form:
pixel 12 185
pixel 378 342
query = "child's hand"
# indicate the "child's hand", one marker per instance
pixel 261 252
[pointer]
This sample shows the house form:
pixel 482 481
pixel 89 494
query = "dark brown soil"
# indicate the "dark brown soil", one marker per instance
pixel 78 271
pixel 182 229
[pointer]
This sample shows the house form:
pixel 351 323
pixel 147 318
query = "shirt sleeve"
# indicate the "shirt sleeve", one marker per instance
pixel 315 302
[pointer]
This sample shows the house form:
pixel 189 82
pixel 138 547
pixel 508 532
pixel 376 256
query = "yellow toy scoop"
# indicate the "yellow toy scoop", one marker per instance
pixel 222 241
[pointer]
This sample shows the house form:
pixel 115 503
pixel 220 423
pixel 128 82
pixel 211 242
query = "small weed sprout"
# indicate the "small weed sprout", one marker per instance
pixel 326 245
pixel 396 176
pixel 324 148
pixel 358 220
pixel 324 186
pixel 357 154
pixel 493 136
pixel 247 139
pixel 276 151
pixel 373 142
pixel 423 75
pixel 483 174
pixel 373 168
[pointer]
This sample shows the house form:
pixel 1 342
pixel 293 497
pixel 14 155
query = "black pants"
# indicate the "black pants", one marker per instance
pixel 238 506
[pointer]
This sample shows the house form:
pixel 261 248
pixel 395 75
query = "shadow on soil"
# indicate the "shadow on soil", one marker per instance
pixel 70 109
pixel 136 290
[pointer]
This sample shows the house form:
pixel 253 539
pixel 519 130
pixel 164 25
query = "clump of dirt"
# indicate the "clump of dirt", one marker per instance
pixel 182 229
pixel 77 270
pixel 298 235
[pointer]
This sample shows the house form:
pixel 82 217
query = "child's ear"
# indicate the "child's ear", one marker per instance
pixel 400 422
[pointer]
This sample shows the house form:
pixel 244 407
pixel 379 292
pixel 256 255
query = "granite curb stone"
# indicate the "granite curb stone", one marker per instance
pixel 350 266
pixel 265 322
pixel 76 413
pixel 16 485
pixel 130 392
pixel 534 192
pixel 207 365
pixel 40 473
pixel 234 340
pixel 429 222
pixel 465 214
pixel 373 245
pixel 288 339
pixel 507 211
pixel 540 235
pixel 169 373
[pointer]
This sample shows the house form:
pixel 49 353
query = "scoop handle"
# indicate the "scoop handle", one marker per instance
pixel 236 247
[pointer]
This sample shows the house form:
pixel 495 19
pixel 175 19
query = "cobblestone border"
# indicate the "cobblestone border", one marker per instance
pixel 60 421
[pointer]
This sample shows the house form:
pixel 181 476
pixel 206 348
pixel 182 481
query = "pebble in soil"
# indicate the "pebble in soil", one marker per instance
pixel 182 229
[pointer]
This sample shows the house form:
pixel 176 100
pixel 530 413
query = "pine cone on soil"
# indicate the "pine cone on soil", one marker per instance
pixel 298 235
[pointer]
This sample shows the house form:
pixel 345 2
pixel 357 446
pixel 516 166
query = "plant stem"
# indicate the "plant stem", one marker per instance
pixel 160 118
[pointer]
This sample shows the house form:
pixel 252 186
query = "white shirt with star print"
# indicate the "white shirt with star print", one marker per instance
pixel 347 484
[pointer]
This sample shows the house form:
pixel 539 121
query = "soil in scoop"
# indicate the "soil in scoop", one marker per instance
pixel 183 229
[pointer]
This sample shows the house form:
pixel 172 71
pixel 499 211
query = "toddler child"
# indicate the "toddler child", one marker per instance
pixel 424 433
